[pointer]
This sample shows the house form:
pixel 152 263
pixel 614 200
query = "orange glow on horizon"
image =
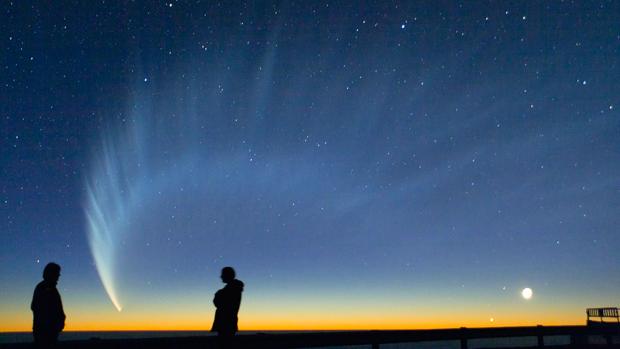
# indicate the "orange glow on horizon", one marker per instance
pixel 300 314
pixel 260 322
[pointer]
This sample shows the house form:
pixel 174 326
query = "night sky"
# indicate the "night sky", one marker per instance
pixel 360 164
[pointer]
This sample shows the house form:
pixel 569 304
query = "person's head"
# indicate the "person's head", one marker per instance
pixel 51 272
pixel 228 274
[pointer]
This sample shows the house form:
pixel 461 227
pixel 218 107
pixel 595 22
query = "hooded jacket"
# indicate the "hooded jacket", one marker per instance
pixel 227 302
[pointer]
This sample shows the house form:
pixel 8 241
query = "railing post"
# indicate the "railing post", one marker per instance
pixel 463 338
pixel 375 340
pixel 609 339
pixel 539 336
pixel 577 339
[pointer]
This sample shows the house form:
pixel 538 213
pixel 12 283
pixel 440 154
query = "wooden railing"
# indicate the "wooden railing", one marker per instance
pixel 578 335
pixel 602 314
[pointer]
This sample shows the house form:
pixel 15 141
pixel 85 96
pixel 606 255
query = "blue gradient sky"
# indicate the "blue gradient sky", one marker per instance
pixel 392 165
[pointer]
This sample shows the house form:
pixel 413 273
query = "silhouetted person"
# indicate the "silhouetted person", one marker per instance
pixel 227 302
pixel 48 317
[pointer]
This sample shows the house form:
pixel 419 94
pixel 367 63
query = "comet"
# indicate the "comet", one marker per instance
pixel 107 208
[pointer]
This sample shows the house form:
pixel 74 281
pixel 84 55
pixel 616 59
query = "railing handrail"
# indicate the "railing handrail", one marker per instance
pixel 371 337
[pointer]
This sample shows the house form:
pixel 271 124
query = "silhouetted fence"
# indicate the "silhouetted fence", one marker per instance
pixel 579 338
pixel 602 314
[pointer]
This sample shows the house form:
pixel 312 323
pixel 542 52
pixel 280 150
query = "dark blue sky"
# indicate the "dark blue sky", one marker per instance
pixel 420 153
